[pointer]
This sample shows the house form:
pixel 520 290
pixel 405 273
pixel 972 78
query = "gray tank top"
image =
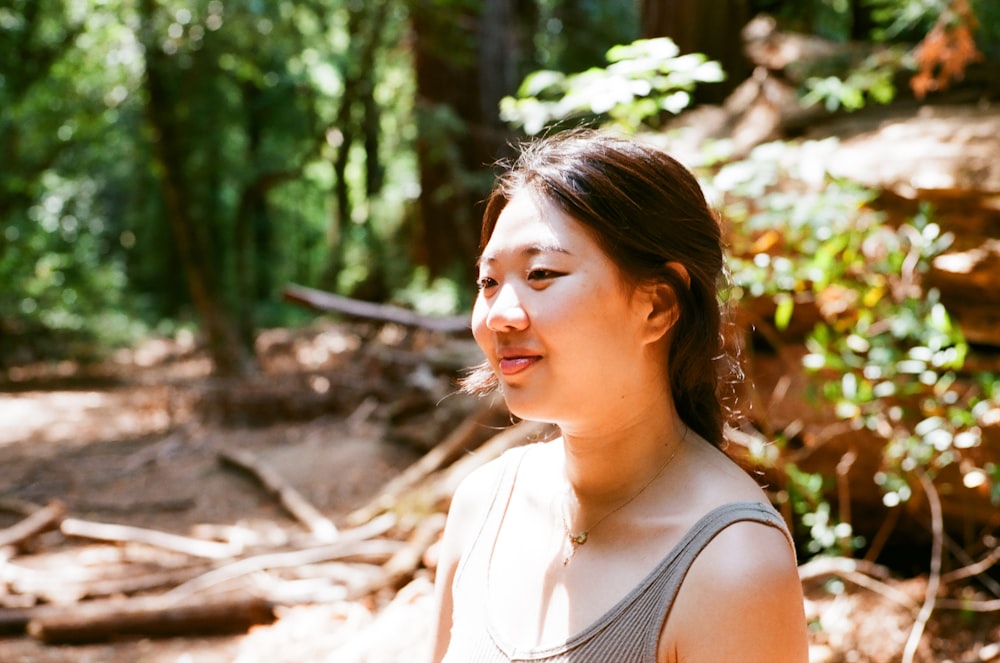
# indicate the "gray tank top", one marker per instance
pixel 627 633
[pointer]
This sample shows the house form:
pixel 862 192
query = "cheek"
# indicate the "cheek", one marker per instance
pixel 478 322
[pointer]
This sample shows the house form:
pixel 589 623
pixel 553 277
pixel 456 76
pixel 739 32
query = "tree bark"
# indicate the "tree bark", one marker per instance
pixel 101 620
pixel 711 27
pixel 229 355
pixel 465 62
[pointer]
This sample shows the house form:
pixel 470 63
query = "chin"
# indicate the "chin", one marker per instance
pixel 527 408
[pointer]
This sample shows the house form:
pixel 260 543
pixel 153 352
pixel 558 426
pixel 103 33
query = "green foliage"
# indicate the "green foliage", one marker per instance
pixel 642 80
pixel 62 262
pixel 871 80
pixel 238 137
pixel 895 28
pixel 573 35
pixel 885 350
pixel 807 495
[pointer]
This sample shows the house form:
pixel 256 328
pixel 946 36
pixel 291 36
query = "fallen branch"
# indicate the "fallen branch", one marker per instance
pixel 402 565
pixel 991 605
pixel 42 519
pixel 458 442
pixel 56 587
pixel 321 588
pixel 351 543
pixel 515 436
pixel 861 573
pixel 293 501
pixel 329 302
pixel 18 506
pixel 128 534
pixel 974 569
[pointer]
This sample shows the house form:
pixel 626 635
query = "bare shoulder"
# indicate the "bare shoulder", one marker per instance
pixel 471 501
pixel 741 600
pixel 469 507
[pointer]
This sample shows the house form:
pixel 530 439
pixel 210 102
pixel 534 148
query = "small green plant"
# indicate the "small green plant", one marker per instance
pixel 871 80
pixel 642 80
pixel 887 356
pixel 806 494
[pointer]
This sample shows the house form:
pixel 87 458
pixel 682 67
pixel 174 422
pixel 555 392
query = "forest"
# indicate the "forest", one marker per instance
pixel 237 243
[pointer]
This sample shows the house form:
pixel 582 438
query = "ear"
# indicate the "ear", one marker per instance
pixel 663 308
pixel 681 270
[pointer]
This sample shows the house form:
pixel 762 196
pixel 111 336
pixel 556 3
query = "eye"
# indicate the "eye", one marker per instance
pixel 542 274
pixel 485 282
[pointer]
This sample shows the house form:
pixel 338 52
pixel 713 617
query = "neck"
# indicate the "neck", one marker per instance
pixel 605 467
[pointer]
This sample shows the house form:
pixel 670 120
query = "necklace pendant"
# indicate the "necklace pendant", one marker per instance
pixel 578 539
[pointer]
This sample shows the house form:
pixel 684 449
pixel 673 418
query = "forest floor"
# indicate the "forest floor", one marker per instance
pixel 136 442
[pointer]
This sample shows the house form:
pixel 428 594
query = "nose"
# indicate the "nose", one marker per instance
pixel 506 312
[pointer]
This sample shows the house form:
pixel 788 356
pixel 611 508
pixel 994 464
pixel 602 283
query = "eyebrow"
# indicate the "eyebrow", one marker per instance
pixel 529 250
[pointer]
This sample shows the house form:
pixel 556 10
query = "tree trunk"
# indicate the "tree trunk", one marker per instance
pixel 711 27
pixel 357 115
pixel 465 63
pixel 229 355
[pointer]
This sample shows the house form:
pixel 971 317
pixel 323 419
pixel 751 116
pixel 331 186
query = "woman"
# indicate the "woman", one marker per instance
pixel 631 536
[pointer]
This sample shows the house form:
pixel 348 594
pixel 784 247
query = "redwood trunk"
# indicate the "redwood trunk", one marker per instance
pixel 465 62
pixel 711 27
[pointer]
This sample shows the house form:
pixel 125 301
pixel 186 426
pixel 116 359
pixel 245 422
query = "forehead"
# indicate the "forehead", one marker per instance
pixel 530 223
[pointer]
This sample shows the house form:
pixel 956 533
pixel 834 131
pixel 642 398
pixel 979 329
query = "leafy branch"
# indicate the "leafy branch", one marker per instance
pixel 642 80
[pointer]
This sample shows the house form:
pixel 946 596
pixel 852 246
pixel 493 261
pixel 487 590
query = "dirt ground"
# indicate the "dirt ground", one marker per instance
pixel 340 411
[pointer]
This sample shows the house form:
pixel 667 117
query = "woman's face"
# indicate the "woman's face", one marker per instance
pixel 565 335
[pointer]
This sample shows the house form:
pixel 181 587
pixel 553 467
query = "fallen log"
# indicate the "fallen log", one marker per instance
pixel 148 616
pixel 293 501
pixel 320 300
pixel 42 519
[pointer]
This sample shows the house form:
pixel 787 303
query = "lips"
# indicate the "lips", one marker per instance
pixel 512 362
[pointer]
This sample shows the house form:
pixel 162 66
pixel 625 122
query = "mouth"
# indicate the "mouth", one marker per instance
pixel 514 362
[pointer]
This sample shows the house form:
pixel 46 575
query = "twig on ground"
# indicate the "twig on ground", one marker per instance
pixel 126 533
pixel 992 605
pixel 42 519
pixel 447 450
pixel 934 581
pixel 18 506
pixel 519 434
pixel 406 561
pixel 860 572
pixel 974 569
pixel 351 543
pixel 844 491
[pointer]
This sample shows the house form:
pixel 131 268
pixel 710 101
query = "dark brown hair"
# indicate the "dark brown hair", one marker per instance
pixel 644 209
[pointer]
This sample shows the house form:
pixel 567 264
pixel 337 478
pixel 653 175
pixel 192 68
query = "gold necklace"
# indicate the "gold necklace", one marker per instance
pixel 580 538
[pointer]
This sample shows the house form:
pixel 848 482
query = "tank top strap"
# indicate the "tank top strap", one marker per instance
pixel 652 601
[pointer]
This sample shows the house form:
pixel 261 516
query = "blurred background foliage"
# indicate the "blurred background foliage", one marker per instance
pixel 176 163
pixel 169 162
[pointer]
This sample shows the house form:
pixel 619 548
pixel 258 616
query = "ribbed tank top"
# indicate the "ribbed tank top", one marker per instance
pixel 627 633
